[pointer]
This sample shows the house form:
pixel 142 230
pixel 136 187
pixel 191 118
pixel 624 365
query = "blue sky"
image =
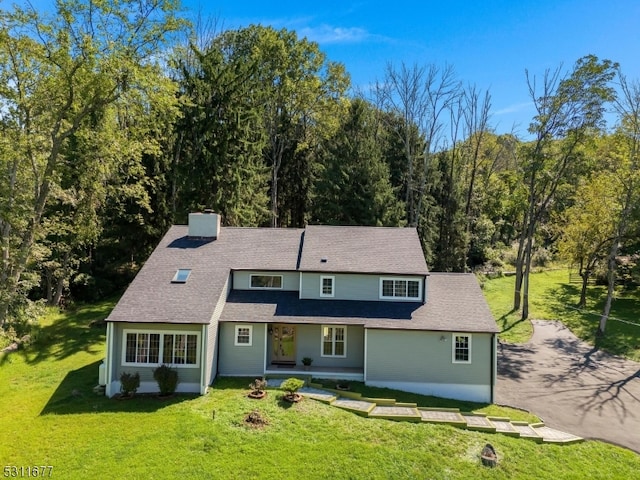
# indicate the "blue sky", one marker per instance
pixel 489 43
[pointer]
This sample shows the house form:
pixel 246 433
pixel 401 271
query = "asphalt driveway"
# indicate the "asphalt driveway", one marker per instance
pixel 572 386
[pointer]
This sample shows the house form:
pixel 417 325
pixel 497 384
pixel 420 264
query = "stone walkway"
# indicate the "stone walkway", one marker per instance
pixel 389 409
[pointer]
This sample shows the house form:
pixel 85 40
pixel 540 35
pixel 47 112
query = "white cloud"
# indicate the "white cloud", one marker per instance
pixel 325 34
pixel 515 108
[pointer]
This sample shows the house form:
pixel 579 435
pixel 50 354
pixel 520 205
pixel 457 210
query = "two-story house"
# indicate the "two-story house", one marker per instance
pixel 359 301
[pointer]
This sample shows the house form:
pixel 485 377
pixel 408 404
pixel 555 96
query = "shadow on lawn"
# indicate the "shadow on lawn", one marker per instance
pixel 503 321
pixel 75 395
pixel 78 329
pixel 620 338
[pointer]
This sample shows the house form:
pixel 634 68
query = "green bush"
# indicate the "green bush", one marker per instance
pixel 129 383
pixel 292 385
pixel 167 379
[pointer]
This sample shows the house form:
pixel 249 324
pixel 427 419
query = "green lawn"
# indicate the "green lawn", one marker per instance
pixel 552 297
pixel 50 416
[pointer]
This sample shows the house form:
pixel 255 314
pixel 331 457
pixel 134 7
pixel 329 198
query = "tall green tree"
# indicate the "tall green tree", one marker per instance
pixel 587 227
pixel 626 181
pixel 569 108
pixel 56 72
pixel 220 138
pixel 300 95
pixel 353 186
pixel 450 251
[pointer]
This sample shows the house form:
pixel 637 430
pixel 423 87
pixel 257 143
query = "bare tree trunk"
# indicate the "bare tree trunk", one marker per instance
pixel 611 280
pixel 517 294
pixel 274 197
pixel 525 276
pixel 583 291
pixel 57 297
pixel 54 299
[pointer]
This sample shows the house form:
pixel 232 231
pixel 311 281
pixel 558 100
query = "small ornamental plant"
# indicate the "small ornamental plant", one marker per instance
pixel 307 361
pixel 291 387
pixel 129 383
pixel 258 387
pixel 167 379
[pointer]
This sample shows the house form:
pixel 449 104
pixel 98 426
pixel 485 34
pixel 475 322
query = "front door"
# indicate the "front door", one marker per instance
pixel 284 344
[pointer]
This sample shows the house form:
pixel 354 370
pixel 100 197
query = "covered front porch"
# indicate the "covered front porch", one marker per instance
pixel 322 350
pixel 353 374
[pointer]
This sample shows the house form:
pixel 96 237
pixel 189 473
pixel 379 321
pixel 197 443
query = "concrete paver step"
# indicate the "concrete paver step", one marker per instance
pixel 317 394
pixel 396 413
pixel 358 406
pixel 526 431
pixel 551 435
pixel 478 422
pixel 504 426
pixel 442 416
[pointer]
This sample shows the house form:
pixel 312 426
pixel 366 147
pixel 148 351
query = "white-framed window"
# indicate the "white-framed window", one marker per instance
pixel 461 348
pixel 266 282
pixel 400 288
pixel 179 349
pixel 327 286
pixel 334 341
pixel 150 349
pixel 243 336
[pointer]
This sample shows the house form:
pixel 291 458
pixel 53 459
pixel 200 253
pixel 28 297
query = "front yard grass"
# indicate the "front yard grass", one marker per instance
pixel 552 297
pixel 50 416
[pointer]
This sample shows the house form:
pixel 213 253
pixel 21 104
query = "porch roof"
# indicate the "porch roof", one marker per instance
pixel 445 309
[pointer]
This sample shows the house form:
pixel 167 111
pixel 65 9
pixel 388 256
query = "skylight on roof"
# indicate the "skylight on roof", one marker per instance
pixel 181 275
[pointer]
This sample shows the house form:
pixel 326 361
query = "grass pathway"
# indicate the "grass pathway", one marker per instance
pixel 552 297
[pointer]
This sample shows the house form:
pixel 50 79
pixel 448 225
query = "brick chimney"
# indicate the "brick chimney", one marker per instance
pixel 204 225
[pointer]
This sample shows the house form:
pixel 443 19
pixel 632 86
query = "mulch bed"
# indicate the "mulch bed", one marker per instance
pixel 255 419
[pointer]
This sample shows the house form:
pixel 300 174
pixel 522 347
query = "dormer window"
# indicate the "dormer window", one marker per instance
pixel 400 289
pixel 181 275
pixel 266 282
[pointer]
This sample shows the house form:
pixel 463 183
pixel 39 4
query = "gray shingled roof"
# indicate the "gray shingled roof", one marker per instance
pixel 362 250
pixel 446 308
pixel 152 297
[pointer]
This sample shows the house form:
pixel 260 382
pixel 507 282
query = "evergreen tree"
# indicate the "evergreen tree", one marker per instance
pixel 218 160
pixel 353 187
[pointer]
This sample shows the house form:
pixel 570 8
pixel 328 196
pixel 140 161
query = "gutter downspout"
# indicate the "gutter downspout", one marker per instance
pixel 109 360
pixel 424 289
pixel 493 367
pixel 204 384
pixel 366 344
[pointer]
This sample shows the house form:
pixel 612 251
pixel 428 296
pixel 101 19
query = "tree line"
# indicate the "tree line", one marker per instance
pixel 119 118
